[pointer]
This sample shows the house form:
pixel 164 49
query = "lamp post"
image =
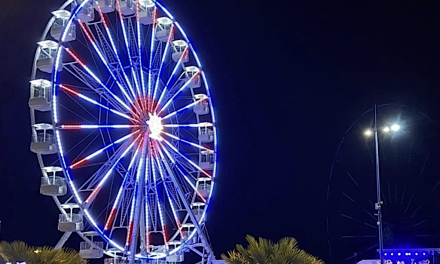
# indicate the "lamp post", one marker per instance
pixel 378 204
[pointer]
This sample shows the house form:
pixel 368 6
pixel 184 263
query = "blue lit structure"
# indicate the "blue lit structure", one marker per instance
pixel 133 126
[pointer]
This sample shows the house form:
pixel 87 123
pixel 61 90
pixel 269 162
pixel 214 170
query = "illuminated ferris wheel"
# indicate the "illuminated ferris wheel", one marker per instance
pixel 124 130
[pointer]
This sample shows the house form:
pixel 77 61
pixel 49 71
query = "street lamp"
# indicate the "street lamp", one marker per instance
pixel 378 204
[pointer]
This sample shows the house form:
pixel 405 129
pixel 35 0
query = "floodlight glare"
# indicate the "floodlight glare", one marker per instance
pixel 368 133
pixel 395 127
pixel 386 129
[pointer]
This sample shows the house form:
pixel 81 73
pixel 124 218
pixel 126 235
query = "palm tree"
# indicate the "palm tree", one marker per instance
pixel 264 251
pixel 19 251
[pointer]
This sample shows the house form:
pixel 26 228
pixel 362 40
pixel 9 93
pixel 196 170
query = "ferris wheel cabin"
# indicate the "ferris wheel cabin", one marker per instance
pixel 207 160
pixel 51 183
pixel 201 108
pixel 128 7
pixel 72 221
pixel 40 95
pixel 94 250
pixel 192 74
pixel 42 139
pixel 204 186
pixel 197 209
pixel 179 47
pixel 61 18
pixel 163 29
pixel 46 56
pixel 106 6
pixel 147 11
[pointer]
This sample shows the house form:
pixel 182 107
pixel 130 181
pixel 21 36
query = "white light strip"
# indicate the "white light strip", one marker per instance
pixel 188 160
pixel 187 142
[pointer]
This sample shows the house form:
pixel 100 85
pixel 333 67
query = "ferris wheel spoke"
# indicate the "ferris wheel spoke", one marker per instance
pixel 113 45
pixel 357 220
pixel 116 204
pixel 187 159
pixel 158 202
pixel 98 188
pixel 92 41
pixel 78 60
pixel 76 127
pixel 184 108
pixel 162 175
pixel 187 142
pixel 159 148
pixel 176 68
pixel 164 56
pixel 129 52
pixel 88 99
pixel 137 197
pixel 187 83
pixel 96 153
pixel 359 205
pixel 189 125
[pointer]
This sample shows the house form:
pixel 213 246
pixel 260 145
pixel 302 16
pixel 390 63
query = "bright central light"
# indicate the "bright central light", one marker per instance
pixel 395 127
pixel 386 129
pixel 368 133
pixel 155 125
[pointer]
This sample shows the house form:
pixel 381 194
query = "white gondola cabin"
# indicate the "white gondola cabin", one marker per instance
pixel 177 257
pixel 51 183
pixel 187 229
pixel 147 10
pixel 163 29
pixel 207 160
pixel 91 251
pixel 204 186
pixel 180 51
pixel 198 209
pixel 61 18
pixel 87 13
pixel 128 7
pixel 43 140
pixel 202 107
pixel 206 134
pixel 106 6
pixel 72 221
pixel 46 56
pixel 192 74
pixel 40 95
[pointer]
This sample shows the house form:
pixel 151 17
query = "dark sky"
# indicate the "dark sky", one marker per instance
pixel 287 77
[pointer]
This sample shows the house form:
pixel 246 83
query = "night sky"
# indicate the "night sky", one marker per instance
pixel 287 77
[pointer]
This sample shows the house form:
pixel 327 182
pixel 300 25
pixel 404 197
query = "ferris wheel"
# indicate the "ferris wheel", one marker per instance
pixel 124 130
pixel 410 186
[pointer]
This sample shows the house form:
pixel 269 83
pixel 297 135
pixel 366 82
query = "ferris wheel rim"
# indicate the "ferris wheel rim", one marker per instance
pixel 330 239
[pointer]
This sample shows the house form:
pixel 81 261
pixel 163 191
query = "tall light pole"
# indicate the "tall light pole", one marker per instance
pixel 378 204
